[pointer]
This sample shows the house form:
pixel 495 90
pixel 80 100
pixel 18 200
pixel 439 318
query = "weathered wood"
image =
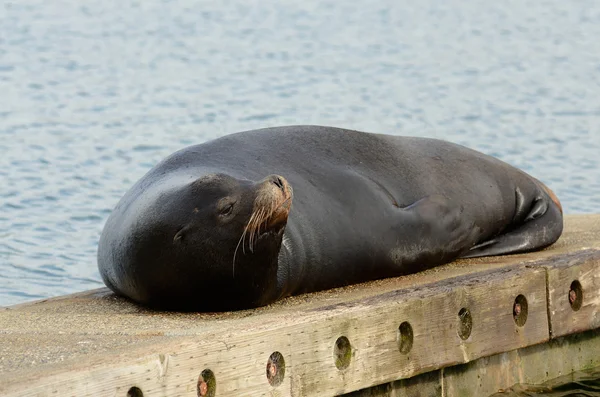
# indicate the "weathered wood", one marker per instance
pixel 574 293
pixel 532 365
pixel 428 384
pixel 239 359
pixel 372 326
pixel 95 344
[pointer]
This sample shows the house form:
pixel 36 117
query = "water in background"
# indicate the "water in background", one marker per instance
pixel 93 94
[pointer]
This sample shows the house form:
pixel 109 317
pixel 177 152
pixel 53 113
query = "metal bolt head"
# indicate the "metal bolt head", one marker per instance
pixel 272 370
pixel 203 388
pixel 517 309
pixel 572 296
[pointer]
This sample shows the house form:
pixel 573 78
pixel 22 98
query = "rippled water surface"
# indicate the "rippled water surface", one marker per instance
pixel 93 94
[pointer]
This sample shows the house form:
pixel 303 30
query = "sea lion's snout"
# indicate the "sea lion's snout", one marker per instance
pixel 275 181
pixel 279 182
pixel 274 197
pixel 270 211
pixel 271 206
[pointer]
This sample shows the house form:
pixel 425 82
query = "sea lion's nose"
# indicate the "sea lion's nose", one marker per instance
pixel 278 181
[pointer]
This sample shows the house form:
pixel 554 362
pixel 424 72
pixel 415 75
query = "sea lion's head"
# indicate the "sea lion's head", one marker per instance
pixel 231 217
pixel 209 242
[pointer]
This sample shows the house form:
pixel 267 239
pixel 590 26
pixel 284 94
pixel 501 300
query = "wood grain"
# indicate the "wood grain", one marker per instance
pixel 238 358
pixel 583 268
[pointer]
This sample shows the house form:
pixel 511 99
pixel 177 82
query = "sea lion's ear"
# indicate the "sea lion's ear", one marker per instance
pixel 178 236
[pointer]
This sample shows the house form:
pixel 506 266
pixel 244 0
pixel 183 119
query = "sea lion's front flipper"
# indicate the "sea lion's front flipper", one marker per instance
pixel 537 227
pixel 434 231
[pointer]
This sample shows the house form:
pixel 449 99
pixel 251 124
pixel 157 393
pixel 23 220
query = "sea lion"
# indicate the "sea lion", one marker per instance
pixel 243 220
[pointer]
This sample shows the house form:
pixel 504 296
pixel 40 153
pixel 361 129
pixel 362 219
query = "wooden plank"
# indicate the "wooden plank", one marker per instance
pixel 238 359
pixel 547 363
pixel 574 292
pixel 425 385
pixel 433 315
pixel 97 344
pixel 533 365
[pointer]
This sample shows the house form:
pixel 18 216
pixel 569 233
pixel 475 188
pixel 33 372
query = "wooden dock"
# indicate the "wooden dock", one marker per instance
pixel 470 328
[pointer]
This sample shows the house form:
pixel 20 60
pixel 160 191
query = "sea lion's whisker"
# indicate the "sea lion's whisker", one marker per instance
pixel 255 225
pixel 236 250
pixel 251 229
pixel 257 221
pixel 244 233
pixel 242 241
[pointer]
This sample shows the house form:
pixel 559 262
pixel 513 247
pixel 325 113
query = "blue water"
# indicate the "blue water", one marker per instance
pixel 93 94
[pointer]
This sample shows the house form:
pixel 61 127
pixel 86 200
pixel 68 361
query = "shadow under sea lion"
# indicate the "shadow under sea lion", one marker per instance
pixel 246 219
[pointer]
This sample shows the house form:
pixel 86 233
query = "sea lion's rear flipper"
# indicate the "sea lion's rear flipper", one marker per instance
pixel 539 223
